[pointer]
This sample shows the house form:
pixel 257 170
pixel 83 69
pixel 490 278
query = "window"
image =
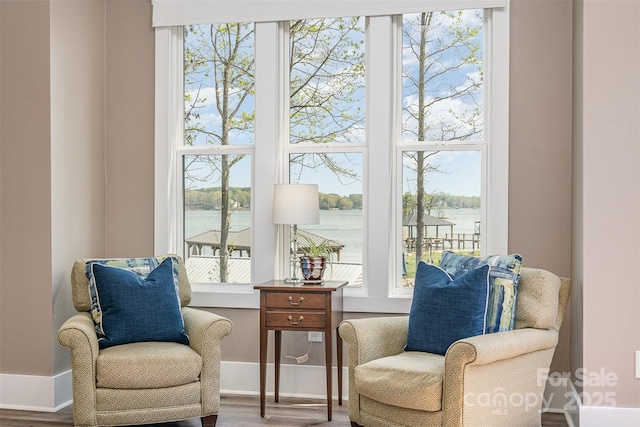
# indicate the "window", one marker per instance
pixel 349 125
pixel 442 146
pixel 327 115
pixel 219 131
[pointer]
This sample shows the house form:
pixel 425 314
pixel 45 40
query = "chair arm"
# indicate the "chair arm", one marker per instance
pixel 484 349
pixel 78 334
pixel 373 338
pixel 206 331
pixel 491 364
pixel 204 328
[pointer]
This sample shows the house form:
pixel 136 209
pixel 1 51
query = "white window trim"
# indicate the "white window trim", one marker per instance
pixel 497 131
pixel 378 156
pixel 185 12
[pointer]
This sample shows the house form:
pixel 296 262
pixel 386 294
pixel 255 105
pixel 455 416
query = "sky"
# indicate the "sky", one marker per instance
pixel 460 170
pixel 460 176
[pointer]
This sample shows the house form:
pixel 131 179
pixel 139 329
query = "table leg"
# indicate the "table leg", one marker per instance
pixel 277 364
pixel 263 368
pixel 339 365
pixel 328 340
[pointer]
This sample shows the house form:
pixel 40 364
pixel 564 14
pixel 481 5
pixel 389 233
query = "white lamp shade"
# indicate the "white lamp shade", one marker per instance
pixel 296 204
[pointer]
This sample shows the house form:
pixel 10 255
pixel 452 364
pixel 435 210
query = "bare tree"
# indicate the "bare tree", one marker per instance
pixel 221 58
pixel 441 53
pixel 326 82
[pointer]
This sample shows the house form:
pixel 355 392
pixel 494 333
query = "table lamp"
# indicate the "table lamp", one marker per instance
pixel 295 204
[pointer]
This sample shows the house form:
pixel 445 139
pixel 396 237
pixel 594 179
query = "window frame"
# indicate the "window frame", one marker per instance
pixel 271 153
pixel 402 145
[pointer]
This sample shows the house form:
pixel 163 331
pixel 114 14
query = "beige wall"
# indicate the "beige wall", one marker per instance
pixel 59 202
pixel 577 170
pixel 610 144
pixel 540 134
pixel 77 94
pixel 130 45
pixel 77 148
pixel 25 189
pixel 540 142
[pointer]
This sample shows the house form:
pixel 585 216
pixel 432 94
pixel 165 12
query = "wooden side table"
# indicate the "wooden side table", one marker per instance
pixel 300 307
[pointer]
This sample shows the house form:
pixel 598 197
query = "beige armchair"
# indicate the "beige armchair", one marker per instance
pixel 143 382
pixel 488 380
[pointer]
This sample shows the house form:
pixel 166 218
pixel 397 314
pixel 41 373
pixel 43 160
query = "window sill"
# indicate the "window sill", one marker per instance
pixel 227 296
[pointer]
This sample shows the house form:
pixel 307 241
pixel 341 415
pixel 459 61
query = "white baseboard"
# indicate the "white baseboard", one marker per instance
pixel 608 416
pixel 579 415
pixel 307 381
pixel 35 393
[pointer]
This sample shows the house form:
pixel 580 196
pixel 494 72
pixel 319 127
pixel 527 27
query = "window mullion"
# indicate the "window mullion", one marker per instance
pixel 324 148
pixel 379 108
pixel 438 146
pixel 268 108
pixel 168 128
pixel 215 150
pixel 497 129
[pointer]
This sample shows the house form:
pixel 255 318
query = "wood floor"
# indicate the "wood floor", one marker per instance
pixel 235 411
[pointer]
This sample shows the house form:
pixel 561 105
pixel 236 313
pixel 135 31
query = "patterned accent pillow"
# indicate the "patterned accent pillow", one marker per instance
pixel 505 273
pixel 139 294
pixel 446 309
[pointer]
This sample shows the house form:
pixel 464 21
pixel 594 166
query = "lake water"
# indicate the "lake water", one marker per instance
pixel 343 226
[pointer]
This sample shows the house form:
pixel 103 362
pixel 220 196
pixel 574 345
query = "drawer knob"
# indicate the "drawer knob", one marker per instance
pixel 300 319
pixel 295 303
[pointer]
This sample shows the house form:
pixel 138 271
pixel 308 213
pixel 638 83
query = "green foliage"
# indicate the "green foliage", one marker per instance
pixel 330 201
pixel 439 200
pixel 436 256
pixel 211 198
pixel 356 200
pixel 313 249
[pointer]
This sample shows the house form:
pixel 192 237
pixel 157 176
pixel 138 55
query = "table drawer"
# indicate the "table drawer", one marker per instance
pixel 313 301
pixel 295 319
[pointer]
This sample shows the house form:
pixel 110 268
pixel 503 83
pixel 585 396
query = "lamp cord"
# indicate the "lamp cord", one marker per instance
pixel 303 358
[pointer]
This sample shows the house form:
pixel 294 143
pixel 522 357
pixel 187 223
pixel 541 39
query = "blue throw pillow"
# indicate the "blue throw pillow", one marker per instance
pixel 445 309
pixel 505 274
pixel 140 266
pixel 135 309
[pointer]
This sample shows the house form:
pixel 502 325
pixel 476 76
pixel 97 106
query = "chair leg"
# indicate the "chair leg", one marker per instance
pixel 355 424
pixel 209 421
